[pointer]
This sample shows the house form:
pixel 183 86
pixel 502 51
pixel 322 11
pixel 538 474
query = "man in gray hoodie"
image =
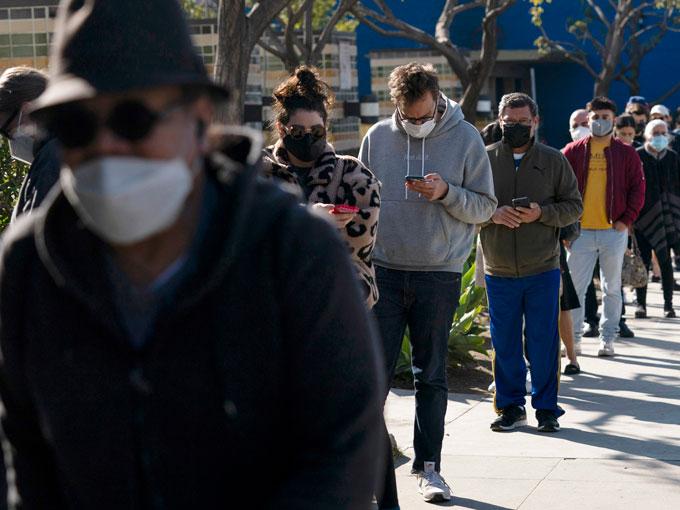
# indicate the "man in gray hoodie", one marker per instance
pixel 436 186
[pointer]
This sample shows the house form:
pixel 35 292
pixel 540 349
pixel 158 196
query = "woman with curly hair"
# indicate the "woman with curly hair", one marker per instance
pixel 338 187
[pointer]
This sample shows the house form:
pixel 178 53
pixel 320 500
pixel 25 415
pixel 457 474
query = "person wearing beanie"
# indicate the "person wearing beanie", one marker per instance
pixel 638 107
pixel 175 332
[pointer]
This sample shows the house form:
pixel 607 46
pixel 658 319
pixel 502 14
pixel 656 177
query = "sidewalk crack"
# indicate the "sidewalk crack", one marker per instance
pixel 539 483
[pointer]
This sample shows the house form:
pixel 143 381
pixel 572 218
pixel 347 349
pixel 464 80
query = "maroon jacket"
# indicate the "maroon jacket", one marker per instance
pixel 625 178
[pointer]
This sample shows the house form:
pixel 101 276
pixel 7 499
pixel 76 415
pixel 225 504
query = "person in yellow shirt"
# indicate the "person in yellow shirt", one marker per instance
pixel 610 178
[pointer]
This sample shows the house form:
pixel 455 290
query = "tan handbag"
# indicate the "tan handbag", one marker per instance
pixel 634 272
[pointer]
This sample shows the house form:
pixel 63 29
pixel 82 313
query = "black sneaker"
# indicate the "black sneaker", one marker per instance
pixel 572 369
pixel 512 417
pixel 625 331
pixel 641 312
pixel 592 331
pixel 669 313
pixel 547 421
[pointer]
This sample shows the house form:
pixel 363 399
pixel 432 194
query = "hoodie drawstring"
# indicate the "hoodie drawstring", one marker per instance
pixel 408 160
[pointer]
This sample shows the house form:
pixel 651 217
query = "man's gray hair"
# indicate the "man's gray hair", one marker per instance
pixel 517 100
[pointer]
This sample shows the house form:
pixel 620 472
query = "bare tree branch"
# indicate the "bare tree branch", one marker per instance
pixel 675 88
pixel 341 10
pixel 599 12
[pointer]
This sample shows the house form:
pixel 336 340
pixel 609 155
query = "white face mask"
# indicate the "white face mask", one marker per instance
pixel 419 130
pixel 21 144
pixel 579 132
pixel 125 199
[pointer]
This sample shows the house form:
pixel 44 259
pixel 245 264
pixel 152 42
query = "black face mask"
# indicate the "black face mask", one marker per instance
pixel 516 135
pixel 306 148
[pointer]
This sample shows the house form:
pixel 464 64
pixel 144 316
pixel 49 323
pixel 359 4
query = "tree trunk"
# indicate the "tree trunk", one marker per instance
pixel 238 35
pixel 233 59
pixel 237 82
pixel 469 104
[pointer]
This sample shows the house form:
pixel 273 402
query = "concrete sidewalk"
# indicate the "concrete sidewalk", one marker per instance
pixel 619 446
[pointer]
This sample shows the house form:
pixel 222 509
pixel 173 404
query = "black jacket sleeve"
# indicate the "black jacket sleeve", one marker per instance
pixel 41 177
pixel 33 460
pixel 337 387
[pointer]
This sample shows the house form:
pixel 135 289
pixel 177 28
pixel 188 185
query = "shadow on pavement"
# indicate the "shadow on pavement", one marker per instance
pixel 473 504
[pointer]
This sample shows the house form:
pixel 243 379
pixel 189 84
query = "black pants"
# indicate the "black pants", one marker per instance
pixel 666 266
pixel 591 301
pixel 425 302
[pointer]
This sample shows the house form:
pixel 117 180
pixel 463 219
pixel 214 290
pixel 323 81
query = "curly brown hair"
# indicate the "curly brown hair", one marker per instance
pixel 410 82
pixel 304 90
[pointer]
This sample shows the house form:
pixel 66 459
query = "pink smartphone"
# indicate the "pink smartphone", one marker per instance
pixel 345 209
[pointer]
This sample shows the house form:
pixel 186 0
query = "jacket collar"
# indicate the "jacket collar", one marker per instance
pixel 74 257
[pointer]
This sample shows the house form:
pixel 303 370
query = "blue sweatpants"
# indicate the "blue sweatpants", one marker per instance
pixel 536 300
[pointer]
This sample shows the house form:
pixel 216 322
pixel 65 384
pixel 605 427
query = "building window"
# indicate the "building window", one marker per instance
pixel 206 29
pixel 22 51
pixel 39 12
pixel 19 39
pixel 21 13
pixel 52 12
pixel 4 14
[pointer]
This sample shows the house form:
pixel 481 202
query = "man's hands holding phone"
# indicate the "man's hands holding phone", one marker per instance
pixel 431 186
pixel 513 217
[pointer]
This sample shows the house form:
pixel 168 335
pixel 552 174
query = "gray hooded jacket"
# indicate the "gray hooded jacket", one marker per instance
pixel 414 233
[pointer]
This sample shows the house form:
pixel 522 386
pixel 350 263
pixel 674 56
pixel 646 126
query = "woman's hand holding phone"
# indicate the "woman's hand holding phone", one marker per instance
pixel 339 215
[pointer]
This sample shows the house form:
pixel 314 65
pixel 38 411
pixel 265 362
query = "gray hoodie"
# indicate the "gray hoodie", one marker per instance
pixel 415 234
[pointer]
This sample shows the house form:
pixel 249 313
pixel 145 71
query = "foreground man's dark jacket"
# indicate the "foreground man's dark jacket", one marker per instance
pixel 545 177
pixel 260 380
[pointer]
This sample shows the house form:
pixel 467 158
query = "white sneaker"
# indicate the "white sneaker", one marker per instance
pixel 528 383
pixel 431 484
pixel 492 387
pixel 606 348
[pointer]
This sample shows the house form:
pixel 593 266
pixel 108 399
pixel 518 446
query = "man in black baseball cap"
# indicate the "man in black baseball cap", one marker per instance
pixel 174 332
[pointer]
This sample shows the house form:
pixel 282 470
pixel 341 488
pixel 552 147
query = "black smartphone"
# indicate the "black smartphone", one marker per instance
pixel 521 202
pixel 414 178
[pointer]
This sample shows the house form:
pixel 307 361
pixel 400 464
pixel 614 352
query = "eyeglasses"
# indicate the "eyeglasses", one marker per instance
pixel 298 132
pixel 3 129
pixel 76 126
pixel 418 120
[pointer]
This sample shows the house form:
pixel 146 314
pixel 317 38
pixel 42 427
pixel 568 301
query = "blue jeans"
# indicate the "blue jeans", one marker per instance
pixel 534 301
pixel 607 246
pixel 425 301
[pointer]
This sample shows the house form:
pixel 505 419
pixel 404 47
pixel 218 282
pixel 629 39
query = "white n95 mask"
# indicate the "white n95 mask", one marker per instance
pixel 419 130
pixel 126 199
pixel 579 132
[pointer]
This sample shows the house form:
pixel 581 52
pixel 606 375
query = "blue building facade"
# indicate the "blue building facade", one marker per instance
pixel 561 86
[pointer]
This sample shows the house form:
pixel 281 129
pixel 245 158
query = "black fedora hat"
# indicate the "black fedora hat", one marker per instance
pixel 109 46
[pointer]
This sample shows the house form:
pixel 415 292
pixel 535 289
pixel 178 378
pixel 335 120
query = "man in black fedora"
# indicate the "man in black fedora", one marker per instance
pixel 174 333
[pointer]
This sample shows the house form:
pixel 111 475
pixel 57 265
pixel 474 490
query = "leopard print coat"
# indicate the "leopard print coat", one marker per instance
pixel 337 179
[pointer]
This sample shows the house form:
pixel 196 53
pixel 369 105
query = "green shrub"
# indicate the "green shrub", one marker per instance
pixel 12 175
